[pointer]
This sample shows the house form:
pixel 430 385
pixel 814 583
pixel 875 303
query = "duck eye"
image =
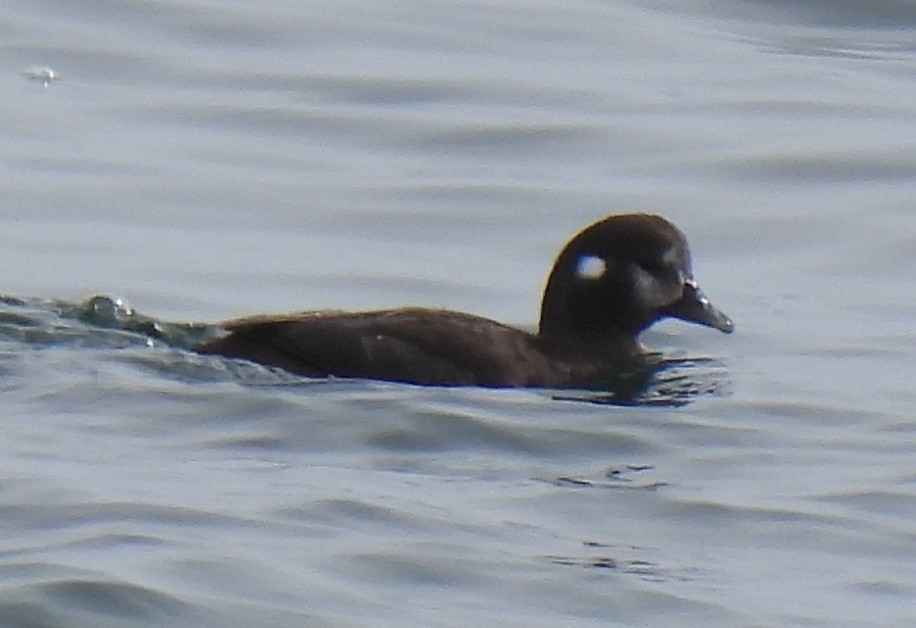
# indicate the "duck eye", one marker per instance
pixel 591 267
pixel 653 268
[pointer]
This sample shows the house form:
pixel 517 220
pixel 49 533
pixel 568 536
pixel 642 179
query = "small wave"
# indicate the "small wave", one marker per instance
pixel 664 382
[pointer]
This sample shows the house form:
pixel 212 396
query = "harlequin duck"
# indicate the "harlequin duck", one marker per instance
pixel 610 282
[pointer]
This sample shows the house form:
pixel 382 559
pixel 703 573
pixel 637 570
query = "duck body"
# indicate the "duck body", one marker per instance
pixel 412 345
pixel 609 283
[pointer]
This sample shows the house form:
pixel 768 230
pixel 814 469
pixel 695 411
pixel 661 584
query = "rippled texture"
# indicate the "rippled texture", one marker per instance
pixel 214 159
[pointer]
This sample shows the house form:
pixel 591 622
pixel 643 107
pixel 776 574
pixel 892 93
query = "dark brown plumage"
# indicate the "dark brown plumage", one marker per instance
pixel 609 283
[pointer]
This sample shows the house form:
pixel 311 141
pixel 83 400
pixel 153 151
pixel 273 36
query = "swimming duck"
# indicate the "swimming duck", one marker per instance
pixel 609 283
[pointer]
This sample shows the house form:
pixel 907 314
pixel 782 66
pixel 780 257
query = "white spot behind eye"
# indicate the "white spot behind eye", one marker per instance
pixel 591 267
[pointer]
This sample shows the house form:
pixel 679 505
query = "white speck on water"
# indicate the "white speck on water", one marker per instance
pixel 42 73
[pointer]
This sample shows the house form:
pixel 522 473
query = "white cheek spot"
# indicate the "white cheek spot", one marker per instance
pixel 591 267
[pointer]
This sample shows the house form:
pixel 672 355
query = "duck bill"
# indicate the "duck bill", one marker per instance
pixel 694 307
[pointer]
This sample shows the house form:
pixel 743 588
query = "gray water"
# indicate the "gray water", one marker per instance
pixel 203 160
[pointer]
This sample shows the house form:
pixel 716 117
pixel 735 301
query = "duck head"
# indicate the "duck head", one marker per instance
pixel 619 276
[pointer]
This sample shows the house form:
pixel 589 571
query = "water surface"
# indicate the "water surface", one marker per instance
pixel 215 159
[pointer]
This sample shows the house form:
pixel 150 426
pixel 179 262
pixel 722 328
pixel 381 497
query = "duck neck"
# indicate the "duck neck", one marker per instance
pixel 560 337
